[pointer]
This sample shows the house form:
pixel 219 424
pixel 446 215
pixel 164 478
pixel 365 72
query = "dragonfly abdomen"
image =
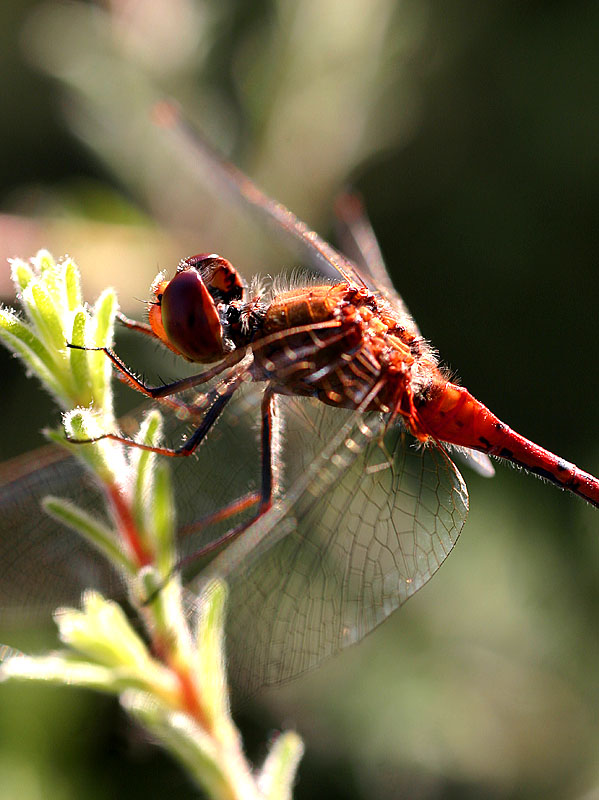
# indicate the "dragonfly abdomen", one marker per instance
pixel 456 417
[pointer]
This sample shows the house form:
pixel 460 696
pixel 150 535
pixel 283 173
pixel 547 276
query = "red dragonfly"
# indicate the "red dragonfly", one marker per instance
pixel 359 501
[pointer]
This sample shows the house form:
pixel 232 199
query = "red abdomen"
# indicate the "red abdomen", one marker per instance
pixel 456 417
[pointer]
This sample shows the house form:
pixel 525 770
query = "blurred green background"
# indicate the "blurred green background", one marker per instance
pixel 472 131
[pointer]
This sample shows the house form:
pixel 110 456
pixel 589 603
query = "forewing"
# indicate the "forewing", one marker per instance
pixel 43 564
pixel 358 241
pixel 365 523
pixel 203 158
pixel 363 520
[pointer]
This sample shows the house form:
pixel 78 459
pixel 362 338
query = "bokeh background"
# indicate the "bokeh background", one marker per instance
pixel 472 131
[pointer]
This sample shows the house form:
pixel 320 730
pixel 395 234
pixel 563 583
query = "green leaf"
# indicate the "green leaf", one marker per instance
pixel 93 531
pixel 102 331
pixel 44 313
pixel 72 283
pixel 277 776
pixel 211 648
pixel 19 338
pixel 79 359
pixel 21 273
pixel 163 520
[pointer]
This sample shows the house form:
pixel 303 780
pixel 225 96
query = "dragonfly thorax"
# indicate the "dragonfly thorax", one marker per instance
pixel 341 344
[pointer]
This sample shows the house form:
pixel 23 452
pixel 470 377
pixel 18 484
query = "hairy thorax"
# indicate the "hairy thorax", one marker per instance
pixel 338 343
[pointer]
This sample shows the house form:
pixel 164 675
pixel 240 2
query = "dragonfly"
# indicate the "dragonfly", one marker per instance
pixel 356 498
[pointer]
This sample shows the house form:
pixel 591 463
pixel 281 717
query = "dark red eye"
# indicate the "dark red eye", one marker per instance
pixel 220 276
pixel 190 319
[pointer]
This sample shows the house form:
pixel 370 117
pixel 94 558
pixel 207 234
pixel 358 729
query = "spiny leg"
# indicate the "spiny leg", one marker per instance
pixel 270 480
pixel 135 325
pixel 269 474
pixel 217 399
pixel 159 392
pixel 233 358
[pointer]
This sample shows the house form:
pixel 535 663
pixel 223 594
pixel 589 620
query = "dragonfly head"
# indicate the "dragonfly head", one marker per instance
pixel 188 311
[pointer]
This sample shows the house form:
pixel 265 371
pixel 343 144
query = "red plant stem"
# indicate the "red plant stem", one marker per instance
pixel 127 526
pixel 189 696
pixel 189 699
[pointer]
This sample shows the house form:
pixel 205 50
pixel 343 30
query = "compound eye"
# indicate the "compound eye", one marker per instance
pixel 220 276
pixel 190 318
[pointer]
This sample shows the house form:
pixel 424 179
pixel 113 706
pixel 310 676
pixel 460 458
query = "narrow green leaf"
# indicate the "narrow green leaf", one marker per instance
pixel 72 282
pixel 92 530
pixel 16 329
pixel 79 360
pixel 192 747
pixel 101 631
pixel 105 457
pixel 20 273
pixel 278 773
pixel 163 520
pixel 52 278
pixel 142 464
pixel 45 262
pixel 104 310
pixel 211 648
pixel 102 333
pixel 19 338
pixel 62 669
pixel 150 592
pixel 48 315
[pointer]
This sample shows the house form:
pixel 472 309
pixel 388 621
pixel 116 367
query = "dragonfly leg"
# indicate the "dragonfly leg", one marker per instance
pixel 217 399
pixel 158 392
pixel 271 478
pixel 263 500
pixel 135 325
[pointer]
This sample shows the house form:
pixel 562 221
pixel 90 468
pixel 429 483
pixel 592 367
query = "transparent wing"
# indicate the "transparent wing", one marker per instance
pixel 478 462
pixel 43 564
pixel 222 173
pixel 363 522
pixel 359 242
pixel 371 522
